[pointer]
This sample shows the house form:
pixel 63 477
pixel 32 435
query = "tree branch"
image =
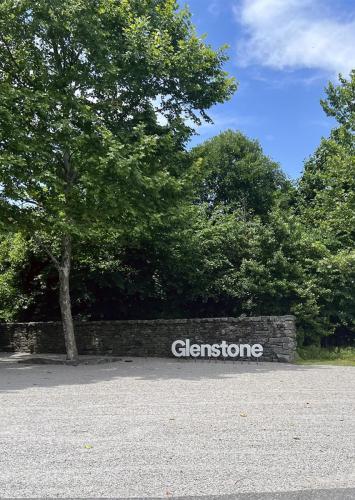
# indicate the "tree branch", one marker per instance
pixel 14 62
pixel 48 252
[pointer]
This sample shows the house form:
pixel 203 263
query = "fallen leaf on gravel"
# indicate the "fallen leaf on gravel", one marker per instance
pixel 88 446
pixel 243 414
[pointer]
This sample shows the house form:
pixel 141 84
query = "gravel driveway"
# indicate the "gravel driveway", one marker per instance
pixel 170 428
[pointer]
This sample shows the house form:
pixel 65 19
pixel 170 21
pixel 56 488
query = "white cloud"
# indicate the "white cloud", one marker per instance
pixel 294 34
pixel 221 122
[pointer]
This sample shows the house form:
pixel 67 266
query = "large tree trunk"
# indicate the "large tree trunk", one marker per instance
pixel 64 299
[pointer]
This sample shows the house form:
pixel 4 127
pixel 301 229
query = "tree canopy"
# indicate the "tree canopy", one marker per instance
pixel 326 206
pixel 94 98
pixel 236 173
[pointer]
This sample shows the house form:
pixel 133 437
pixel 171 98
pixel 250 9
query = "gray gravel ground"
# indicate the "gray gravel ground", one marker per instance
pixel 163 428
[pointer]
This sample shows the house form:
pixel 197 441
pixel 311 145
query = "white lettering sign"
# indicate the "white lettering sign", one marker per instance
pixel 184 348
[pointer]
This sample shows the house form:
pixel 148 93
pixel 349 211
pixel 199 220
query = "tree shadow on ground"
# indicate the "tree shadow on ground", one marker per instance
pixel 16 377
pixel 331 494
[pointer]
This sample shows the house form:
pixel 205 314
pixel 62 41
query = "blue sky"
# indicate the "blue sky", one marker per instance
pixel 283 53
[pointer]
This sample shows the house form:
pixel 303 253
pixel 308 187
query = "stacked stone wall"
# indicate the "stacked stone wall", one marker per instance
pixel 277 335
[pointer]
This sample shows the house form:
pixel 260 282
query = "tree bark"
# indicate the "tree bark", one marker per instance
pixel 64 299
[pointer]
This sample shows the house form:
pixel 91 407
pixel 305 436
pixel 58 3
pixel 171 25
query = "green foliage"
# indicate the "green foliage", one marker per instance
pixel 320 355
pixel 81 144
pixel 236 173
pixel 13 259
pixel 94 96
pixel 340 101
pixel 326 208
pixel 327 192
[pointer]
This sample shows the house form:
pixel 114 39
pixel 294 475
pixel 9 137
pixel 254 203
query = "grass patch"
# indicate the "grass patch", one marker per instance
pixel 320 355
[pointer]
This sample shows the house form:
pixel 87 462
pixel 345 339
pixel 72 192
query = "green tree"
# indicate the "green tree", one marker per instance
pixel 13 261
pixel 326 207
pixel 94 96
pixel 237 174
pixel 327 186
pixel 339 103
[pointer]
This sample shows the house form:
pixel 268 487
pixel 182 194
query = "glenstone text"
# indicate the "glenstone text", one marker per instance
pixel 184 348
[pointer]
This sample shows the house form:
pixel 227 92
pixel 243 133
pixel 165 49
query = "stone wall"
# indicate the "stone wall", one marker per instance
pixel 277 334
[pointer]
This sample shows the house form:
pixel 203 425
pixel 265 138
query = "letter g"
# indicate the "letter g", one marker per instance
pixel 181 352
